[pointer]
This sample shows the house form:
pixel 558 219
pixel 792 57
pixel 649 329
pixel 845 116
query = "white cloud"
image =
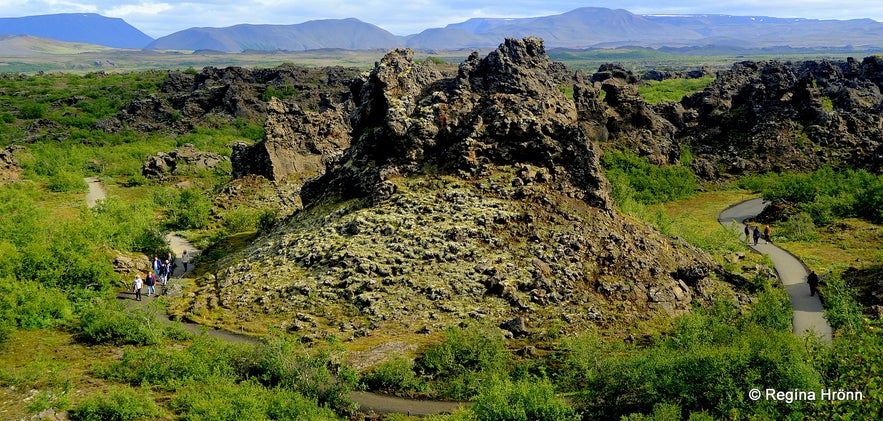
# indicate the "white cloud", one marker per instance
pixel 158 18
pixel 143 9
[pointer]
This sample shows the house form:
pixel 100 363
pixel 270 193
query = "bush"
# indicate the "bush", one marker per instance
pixel 577 360
pixel 525 400
pixel 842 310
pixel 282 362
pixel 30 305
pixel 32 111
pixel 707 364
pixel 218 399
pixel 396 373
pixel 825 194
pixel 168 369
pixel 635 178
pixel 66 181
pixel 464 361
pixel 191 210
pixel 119 404
pixel 103 322
pixel 799 227
pixel 241 220
pixel 267 220
pixel 772 310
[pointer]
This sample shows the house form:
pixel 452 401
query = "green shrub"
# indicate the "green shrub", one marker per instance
pixel 708 363
pixel 477 347
pixel 826 194
pixel 396 373
pixel 464 361
pixel 799 227
pixel 772 309
pixel 241 220
pixel 103 322
pixel 283 362
pixel 32 306
pixel 285 91
pixel 205 358
pixel 853 363
pixel 32 111
pixel 577 359
pixel 267 220
pixel 525 400
pixel 842 310
pixel 647 183
pixel 119 404
pixel 66 181
pixel 191 210
pixel 218 399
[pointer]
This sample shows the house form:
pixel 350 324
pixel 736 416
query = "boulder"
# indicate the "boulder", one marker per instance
pixel 9 167
pixel 503 109
pixel 298 143
pixel 180 161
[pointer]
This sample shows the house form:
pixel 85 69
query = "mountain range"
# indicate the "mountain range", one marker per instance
pixel 587 27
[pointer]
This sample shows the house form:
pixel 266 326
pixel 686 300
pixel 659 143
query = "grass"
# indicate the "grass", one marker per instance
pixel 47 368
pixel 672 90
pixel 849 241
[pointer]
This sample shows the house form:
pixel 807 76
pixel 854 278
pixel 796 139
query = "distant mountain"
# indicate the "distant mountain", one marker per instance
pixel 765 31
pixel 88 28
pixel 580 28
pixel 349 34
pixel 587 27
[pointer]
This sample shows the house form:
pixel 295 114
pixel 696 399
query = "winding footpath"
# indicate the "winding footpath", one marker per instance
pixel 179 245
pixel 809 315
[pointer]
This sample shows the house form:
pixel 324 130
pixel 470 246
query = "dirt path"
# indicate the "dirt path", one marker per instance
pixel 96 191
pixel 185 253
pixel 809 315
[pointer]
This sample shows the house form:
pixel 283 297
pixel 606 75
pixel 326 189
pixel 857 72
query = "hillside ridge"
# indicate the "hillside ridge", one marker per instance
pixel 581 28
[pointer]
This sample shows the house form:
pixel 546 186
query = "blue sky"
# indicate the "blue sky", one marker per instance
pixel 162 17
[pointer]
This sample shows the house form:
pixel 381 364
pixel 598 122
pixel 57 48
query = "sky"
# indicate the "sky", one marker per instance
pixel 159 18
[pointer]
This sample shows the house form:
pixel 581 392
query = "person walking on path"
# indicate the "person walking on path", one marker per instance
pixel 813 280
pixel 756 235
pixel 747 233
pixel 165 272
pixel 766 234
pixel 136 286
pixel 151 282
pixel 156 264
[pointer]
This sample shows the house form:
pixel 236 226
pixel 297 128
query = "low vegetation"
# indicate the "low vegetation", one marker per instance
pixel 672 90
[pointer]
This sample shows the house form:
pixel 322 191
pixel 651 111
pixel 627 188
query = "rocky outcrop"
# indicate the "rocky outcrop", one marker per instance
pixel 500 110
pixel 187 100
pixel 9 169
pixel 633 124
pixel 183 160
pixel 469 196
pixel 298 142
pixel 775 116
pixel 660 75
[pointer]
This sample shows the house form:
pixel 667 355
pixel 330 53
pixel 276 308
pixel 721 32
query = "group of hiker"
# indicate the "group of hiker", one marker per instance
pixel 756 235
pixel 160 271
